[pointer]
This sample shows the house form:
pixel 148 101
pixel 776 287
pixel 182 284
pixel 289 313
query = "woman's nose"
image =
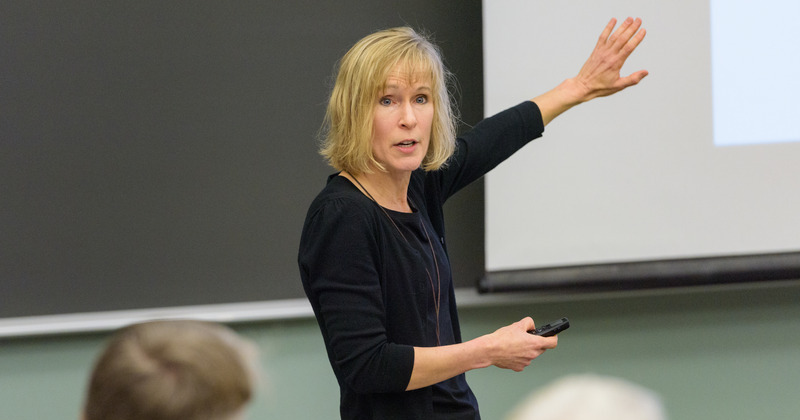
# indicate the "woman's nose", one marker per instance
pixel 408 117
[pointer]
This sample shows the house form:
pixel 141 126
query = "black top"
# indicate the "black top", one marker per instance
pixel 371 286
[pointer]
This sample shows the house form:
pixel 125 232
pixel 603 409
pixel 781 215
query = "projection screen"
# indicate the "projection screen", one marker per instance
pixel 691 176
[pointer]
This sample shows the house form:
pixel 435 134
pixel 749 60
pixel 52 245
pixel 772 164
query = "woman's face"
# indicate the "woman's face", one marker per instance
pixel 402 122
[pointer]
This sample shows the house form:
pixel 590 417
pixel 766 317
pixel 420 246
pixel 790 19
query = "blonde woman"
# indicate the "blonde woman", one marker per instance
pixel 373 255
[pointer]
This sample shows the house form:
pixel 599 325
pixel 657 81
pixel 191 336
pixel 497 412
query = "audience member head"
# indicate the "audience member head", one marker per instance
pixel 590 397
pixel 170 370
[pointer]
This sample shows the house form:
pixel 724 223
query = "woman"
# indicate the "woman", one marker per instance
pixel 373 257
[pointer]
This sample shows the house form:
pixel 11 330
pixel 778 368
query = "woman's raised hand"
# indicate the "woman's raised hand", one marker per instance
pixel 600 74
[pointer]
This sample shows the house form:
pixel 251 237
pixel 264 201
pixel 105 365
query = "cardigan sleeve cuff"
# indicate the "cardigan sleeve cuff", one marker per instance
pixel 532 118
pixel 404 364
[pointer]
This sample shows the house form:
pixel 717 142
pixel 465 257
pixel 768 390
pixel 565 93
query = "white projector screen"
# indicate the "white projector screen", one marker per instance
pixel 700 160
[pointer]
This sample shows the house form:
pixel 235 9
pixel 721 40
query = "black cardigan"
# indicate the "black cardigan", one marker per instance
pixel 357 272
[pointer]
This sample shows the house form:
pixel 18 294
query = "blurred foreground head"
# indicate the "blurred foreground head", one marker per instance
pixel 590 397
pixel 170 370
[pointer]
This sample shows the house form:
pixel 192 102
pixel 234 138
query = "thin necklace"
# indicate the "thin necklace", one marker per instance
pixel 437 294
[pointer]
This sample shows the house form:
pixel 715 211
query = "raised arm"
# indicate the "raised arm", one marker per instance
pixel 600 74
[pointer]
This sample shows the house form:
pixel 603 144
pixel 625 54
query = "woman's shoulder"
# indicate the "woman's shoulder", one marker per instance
pixel 339 198
pixel 339 214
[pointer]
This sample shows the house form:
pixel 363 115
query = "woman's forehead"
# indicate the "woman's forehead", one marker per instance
pixel 402 81
pixel 405 74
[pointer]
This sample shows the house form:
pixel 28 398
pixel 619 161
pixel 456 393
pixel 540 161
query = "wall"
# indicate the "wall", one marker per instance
pixel 711 354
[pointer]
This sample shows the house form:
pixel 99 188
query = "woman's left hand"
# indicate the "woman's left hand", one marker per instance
pixel 600 74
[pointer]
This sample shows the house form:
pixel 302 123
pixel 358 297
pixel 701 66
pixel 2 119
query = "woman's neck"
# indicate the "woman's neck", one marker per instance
pixel 388 191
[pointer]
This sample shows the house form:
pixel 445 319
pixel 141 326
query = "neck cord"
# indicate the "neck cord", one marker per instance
pixel 437 294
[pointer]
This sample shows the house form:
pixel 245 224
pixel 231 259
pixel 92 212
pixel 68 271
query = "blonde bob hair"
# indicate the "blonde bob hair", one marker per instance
pixel 361 80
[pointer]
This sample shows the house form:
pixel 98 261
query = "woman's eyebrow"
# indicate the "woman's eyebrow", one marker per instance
pixel 396 86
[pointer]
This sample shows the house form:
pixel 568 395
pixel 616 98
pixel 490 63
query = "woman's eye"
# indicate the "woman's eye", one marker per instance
pixel 422 99
pixel 385 101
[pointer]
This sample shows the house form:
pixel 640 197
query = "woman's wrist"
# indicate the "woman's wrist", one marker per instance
pixel 566 95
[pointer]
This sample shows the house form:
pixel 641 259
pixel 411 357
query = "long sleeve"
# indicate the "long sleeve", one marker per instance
pixel 488 144
pixel 478 151
pixel 340 265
